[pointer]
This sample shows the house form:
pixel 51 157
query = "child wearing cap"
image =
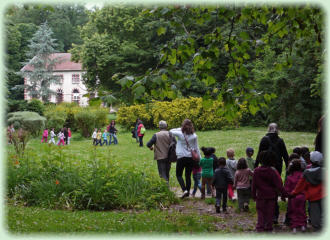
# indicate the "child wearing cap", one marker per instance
pixel 311 184
pixel 249 153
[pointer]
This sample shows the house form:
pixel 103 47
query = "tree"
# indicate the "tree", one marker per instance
pixel 39 68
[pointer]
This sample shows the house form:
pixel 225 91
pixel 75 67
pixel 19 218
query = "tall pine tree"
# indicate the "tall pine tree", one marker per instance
pixel 41 64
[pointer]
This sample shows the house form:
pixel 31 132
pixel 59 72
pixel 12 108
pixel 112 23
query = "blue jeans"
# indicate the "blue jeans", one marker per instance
pixel 115 140
pixel 197 182
pixel 105 141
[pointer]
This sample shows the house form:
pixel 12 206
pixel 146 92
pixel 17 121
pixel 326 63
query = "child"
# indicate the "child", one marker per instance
pixel 207 169
pixel 52 136
pixel 197 174
pixel 266 184
pixel 69 135
pixel 311 184
pixel 296 211
pixel 222 178
pixel 105 137
pixel 61 138
pixel 113 131
pixel 94 136
pixel 242 184
pixel 231 164
pixel 44 136
pixel 249 153
pixel 98 138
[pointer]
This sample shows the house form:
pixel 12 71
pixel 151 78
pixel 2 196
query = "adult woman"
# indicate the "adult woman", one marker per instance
pixel 319 137
pixel 185 134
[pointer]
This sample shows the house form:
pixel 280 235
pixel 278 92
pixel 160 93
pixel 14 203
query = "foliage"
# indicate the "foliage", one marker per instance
pixel 204 117
pixel 40 76
pixel 29 121
pixel 90 118
pixel 37 106
pixel 16 105
pixel 20 139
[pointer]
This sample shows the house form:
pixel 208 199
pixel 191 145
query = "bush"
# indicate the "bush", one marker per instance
pixel 127 116
pixel 90 118
pixel 30 121
pixel 37 106
pixel 175 112
pixel 16 105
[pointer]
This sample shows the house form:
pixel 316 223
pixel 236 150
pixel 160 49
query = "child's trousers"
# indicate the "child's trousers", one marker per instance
pixel 243 195
pixel 316 214
pixel 221 193
pixel 265 210
pixel 209 181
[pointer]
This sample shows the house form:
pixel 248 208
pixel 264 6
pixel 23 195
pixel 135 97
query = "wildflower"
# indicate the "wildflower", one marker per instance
pixel 57 182
pixel 16 162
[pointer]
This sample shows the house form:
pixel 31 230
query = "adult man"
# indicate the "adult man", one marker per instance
pixel 160 143
pixel 272 142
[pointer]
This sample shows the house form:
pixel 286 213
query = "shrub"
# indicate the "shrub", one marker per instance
pixel 16 105
pixel 37 106
pixel 175 112
pixel 30 121
pixel 127 116
pixel 20 139
pixel 90 118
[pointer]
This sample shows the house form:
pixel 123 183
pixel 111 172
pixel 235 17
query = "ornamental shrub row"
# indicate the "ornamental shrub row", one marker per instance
pixel 175 112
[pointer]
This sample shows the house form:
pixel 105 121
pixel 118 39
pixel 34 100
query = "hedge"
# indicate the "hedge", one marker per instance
pixel 175 112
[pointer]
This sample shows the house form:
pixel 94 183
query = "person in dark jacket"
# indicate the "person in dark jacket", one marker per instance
pixel 266 186
pixel 272 142
pixel 319 137
pixel 221 179
pixel 66 135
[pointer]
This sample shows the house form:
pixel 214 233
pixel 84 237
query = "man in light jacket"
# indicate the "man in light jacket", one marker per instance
pixel 160 143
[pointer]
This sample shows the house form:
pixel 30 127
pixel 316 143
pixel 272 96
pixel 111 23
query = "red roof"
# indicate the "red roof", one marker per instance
pixel 64 64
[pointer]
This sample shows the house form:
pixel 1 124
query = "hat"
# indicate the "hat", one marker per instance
pixel 316 157
pixel 249 150
pixel 162 124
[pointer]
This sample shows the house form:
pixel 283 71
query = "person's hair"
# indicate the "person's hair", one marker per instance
pixel 242 164
pixel 208 151
pixel 222 161
pixel 268 158
pixel 272 128
pixel 230 152
pixel 320 124
pixel 294 166
pixel 249 151
pixel 293 156
pixel 187 127
pixel 304 150
pixel 297 150
pixel 162 124
pixel 307 157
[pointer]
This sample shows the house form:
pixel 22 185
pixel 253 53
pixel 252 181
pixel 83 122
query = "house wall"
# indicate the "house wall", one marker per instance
pixel 67 86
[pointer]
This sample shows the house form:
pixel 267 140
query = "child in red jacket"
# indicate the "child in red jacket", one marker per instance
pixel 311 184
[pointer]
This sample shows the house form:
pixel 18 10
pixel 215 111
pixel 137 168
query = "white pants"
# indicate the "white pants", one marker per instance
pixel 69 140
pixel 51 140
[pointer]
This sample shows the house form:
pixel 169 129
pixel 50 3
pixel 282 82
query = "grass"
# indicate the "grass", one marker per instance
pixel 128 155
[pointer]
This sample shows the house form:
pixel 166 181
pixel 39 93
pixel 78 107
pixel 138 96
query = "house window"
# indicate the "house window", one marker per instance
pixel 75 96
pixel 75 78
pixel 59 96
pixel 60 78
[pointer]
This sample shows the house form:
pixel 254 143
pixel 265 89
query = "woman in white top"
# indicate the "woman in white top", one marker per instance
pixel 185 134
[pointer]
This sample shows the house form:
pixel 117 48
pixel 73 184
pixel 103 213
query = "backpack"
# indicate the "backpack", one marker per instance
pixel 142 130
pixel 171 150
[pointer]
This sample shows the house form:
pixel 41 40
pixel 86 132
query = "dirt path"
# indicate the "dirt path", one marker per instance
pixel 234 221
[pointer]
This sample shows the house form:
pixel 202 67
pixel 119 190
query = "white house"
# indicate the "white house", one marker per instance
pixel 71 88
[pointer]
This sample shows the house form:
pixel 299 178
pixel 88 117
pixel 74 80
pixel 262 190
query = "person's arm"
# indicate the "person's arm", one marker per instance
pixel 300 187
pixel 253 190
pixel 285 155
pixel 197 148
pixel 176 132
pixel 235 181
pixel 152 141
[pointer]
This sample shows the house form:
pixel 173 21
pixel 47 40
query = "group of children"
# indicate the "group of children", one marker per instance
pixel 303 181
pixel 64 136
pixel 110 131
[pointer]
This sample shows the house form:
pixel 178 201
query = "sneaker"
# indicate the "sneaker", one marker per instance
pixel 193 195
pixel 303 228
pixel 217 209
pixel 246 208
pixel 185 194
pixel 294 230
pixel 203 196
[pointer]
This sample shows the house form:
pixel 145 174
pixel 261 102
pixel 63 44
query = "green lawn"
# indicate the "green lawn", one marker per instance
pixel 128 155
